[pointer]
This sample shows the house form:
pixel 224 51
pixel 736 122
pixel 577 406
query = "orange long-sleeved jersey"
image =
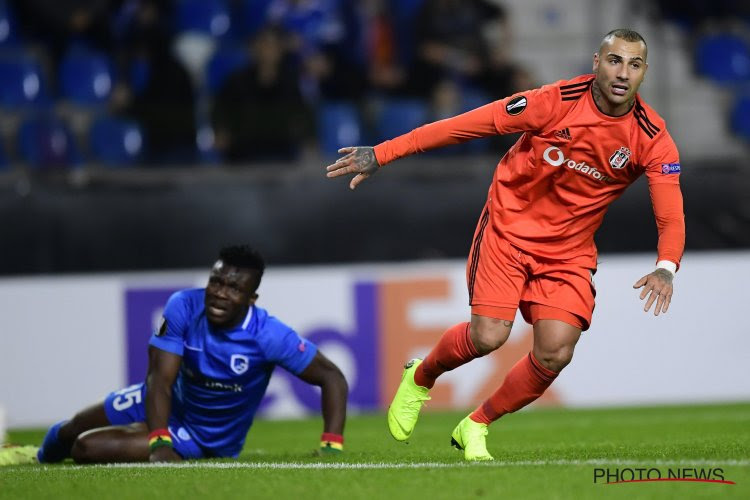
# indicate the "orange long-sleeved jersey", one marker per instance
pixel 551 190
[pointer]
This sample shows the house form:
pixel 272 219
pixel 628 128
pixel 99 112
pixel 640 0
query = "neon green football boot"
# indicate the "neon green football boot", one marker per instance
pixel 404 410
pixel 471 437
pixel 18 455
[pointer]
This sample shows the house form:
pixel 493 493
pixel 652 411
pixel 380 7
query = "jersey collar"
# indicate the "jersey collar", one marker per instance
pixel 248 318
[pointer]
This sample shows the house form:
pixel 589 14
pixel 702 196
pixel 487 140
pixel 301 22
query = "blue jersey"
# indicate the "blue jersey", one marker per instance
pixel 224 373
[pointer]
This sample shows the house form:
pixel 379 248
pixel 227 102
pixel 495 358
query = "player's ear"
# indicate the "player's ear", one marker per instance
pixel 596 62
pixel 253 297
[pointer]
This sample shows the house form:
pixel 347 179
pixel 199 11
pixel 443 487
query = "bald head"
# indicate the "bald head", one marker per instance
pixel 623 34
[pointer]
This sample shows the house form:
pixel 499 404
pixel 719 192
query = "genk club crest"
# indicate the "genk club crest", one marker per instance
pixel 620 158
pixel 239 363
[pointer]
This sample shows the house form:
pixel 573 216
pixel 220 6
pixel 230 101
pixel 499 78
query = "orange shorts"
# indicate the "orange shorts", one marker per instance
pixel 502 278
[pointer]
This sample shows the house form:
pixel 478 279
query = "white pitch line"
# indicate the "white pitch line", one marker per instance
pixel 413 465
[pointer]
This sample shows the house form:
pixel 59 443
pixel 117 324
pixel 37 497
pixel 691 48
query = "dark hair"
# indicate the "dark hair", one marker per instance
pixel 243 256
pixel 625 34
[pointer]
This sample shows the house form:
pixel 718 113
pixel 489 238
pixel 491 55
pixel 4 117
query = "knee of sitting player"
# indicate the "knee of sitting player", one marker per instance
pixel 555 358
pixel 487 334
pixel 84 449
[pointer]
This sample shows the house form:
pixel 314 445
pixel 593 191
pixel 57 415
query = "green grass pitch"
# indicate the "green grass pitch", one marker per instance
pixel 545 453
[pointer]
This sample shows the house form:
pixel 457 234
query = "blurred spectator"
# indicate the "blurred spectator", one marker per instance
pixel 446 101
pixel 259 113
pixel 502 78
pixel 501 75
pixel 385 72
pixel 159 94
pixel 450 43
pixel 58 23
pixel 325 36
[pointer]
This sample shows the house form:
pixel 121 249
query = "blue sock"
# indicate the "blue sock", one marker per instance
pixel 53 450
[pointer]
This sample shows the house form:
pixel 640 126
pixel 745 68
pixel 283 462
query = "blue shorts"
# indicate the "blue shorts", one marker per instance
pixel 128 406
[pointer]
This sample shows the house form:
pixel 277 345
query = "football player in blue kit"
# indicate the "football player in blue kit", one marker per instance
pixel 209 366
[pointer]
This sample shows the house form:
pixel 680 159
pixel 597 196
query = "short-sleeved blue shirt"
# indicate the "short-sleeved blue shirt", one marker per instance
pixel 224 373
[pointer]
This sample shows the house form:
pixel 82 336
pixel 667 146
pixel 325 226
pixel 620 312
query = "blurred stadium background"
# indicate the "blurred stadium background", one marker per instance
pixel 138 136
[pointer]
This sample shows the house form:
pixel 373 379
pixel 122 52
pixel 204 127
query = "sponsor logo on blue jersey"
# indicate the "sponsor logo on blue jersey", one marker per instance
pixel 670 168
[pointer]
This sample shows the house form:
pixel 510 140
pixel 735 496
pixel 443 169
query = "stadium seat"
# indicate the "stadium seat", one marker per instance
pixel 115 142
pixel 139 73
pixel 740 118
pixel 210 17
pixel 339 125
pixel 224 62
pixel 46 141
pixel 8 27
pixel 22 84
pixel 724 58
pixel 205 144
pixel 251 16
pixel 86 77
pixel 405 8
pixel 399 116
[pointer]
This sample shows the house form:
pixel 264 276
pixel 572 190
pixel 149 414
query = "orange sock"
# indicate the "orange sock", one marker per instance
pixel 452 350
pixel 525 382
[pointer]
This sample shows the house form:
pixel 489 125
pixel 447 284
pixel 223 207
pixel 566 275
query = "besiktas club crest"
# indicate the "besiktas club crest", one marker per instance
pixel 620 158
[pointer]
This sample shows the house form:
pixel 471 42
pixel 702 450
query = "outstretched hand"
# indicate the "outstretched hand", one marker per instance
pixel 358 160
pixel 658 287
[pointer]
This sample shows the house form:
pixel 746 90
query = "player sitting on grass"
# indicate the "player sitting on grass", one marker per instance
pixel 585 141
pixel 209 366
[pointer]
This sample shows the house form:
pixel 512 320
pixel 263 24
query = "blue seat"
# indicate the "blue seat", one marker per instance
pixel 225 61
pixel 139 74
pixel 251 16
pixel 405 9
pixel 724 58
pixel 399 116
pixel 210 17
pixel 339 125
pixel 116 142
pixel 45 142
pixel 205 144
pixel 86 77
pixel 22 83
pixel 8 26
pixel 740 118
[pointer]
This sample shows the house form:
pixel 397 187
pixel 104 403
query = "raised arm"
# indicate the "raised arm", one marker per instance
pixel 670 222
pixel 531 110
pixel 163 367
pixel 364 161
pixel 334 391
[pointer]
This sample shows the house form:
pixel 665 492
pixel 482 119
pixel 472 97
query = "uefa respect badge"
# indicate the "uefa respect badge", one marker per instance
pixel 670 168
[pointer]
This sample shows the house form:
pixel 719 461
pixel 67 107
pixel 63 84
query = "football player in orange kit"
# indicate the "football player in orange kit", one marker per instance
pixel 585 141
